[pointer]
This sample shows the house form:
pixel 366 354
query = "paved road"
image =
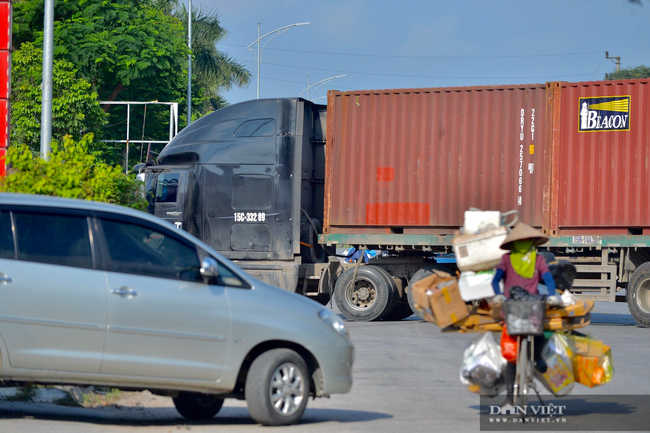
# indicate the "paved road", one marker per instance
pixel 406 379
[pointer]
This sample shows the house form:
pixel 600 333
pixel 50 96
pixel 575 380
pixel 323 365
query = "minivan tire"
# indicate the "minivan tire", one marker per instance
pixel 277 387
pixel 197 406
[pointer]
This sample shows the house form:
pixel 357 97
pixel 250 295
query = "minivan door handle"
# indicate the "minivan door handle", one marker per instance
pixel 4 279
pixel 125 292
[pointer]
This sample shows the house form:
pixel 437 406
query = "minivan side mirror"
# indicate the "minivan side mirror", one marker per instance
pixel 209 268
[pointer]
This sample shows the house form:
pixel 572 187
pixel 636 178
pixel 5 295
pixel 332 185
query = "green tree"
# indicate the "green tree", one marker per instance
pixel 75 108
pixel 71 172
pixel 629 73
pixel 213 71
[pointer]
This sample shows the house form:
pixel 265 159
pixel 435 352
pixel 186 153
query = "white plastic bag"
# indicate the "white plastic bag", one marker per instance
pixel 568 298
pixel 559 377
pixel 483 365
pixel 477 285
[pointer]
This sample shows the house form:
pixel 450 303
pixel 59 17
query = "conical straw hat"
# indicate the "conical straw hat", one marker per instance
pixel 524 231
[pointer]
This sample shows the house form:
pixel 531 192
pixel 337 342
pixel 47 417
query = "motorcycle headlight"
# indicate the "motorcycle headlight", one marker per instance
pixel 334 321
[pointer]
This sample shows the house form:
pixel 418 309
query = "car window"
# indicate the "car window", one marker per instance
pixel 54 239
pixel 229 278
pixel 135 248
pixel 7 250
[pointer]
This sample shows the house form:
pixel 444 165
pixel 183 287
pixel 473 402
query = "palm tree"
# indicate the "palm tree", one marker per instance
pixel 214 71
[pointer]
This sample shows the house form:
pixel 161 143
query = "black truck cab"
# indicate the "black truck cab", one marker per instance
pixel 248 180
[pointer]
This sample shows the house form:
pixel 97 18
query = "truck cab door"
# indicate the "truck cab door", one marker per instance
pixel 166 192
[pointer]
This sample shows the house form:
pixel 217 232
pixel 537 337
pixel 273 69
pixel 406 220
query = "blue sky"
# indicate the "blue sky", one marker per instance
pixel 384 44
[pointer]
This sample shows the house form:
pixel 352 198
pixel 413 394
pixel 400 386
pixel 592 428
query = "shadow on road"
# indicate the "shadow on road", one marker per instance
pixel 166 416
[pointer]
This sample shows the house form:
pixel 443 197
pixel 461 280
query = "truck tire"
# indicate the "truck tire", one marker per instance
pixel 420 275
pixel 197 406
pixel 400 311
pixel 638 295
pixel 370 297
pixel 310 250
pixel 277 387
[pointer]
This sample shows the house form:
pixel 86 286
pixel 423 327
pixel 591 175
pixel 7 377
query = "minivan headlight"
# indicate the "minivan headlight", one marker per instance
pixel 334 321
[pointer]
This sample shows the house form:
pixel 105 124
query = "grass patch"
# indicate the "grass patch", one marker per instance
pixel 101 399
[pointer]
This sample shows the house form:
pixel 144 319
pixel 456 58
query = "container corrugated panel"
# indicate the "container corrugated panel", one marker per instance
pixel 413 160
pixel 603 148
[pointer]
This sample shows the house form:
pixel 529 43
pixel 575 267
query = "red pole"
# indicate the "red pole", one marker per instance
pixel 5 79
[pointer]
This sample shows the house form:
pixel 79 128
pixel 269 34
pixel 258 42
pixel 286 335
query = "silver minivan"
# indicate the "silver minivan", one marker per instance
pixel 98 294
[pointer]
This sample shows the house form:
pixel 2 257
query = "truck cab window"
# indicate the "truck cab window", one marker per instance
pixel 167 187
pixel 256 128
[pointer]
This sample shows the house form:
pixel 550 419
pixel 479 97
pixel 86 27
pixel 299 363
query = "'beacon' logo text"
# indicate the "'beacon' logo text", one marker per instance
pixel 611 113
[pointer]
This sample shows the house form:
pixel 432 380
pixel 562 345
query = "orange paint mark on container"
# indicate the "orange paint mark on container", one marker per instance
pixel 397 214
pixel 386 174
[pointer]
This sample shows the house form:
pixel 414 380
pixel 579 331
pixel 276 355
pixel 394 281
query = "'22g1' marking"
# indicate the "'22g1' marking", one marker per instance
pixel 250 217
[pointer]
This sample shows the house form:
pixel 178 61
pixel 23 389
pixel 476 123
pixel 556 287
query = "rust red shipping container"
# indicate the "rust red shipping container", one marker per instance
pixel 572 158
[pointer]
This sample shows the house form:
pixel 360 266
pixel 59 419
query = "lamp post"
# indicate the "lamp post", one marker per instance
pixel 48 54
pixel 616 60
pixel 260 50
pixel 189 64
pixel 318 84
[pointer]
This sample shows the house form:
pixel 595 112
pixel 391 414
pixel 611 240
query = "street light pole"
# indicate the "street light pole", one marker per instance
pixel 318 84
pixel 189 64
pixel 260 50
pixel 48 53
pixel 616 60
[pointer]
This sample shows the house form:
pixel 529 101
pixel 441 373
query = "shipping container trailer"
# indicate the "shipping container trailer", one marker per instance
pixel 394 170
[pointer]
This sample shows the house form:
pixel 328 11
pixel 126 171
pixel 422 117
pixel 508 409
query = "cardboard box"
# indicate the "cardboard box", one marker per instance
pixel 439 297
pixel 580 308
pixel 480 251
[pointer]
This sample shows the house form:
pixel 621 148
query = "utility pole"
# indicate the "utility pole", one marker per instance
pixel 48 53
pixel 616 60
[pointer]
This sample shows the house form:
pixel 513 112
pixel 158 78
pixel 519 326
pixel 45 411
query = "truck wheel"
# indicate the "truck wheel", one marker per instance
pixel 638 295
pixel 421 275
pixel 400 311
pixel 197 406
pixel 277 387
pixel 370 297
pixel 310 250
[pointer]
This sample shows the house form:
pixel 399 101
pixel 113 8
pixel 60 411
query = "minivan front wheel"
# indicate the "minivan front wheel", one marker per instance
pixel 277 387
pixel 197 406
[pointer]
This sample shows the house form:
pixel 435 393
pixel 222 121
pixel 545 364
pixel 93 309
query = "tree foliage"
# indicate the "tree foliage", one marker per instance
pixel 135 50
pixel 75 108
pixel 70 172
pixel 629 73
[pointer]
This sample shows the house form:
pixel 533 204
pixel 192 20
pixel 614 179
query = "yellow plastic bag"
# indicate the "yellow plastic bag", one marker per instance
pixel 593 363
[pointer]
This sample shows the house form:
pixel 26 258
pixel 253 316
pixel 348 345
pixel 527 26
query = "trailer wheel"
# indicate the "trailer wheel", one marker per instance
pixel 368 298
pixel 638 295
pixel 400 311
pixel 310 250
pixel 421 275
